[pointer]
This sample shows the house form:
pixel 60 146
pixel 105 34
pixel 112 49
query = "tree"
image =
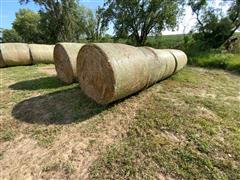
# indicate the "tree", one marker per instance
pixel 86 23
pixel 26 25
pixel 101 24
pixel 10 35
pixel 215 27
pixel 139 18
pixel 91 25
pixel 58 19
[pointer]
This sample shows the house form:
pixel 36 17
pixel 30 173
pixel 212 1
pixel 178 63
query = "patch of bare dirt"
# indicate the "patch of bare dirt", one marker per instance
pixel 75 149
pixel 50 69
pixel 160 176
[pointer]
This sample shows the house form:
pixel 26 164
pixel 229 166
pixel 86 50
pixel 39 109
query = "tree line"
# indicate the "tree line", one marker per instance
pixel 135 20
pixel 56 21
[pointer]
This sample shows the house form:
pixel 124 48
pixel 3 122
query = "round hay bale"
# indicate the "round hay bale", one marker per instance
pixel 65 58
pixel 181 58
pixel 163 66
pixel 108 72
pixel 41 53
pixel 14 54
pixel 2 63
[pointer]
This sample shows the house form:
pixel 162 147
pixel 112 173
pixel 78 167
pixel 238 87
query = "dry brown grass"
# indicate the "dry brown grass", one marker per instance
pixel 49 130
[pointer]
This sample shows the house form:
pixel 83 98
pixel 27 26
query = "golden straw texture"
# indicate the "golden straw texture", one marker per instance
pixel 41 53
pixel 108 72
pixel 65 58
pixel 13 54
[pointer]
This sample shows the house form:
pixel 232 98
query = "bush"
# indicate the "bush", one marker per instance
pixel 216 59
pixel 167 41
pixel 10 35
pixel 236 47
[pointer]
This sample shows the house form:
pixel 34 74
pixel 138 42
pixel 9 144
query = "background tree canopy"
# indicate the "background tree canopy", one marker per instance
pixel 134 21
pixel 92 25
pixel 58 19
pixel 139 18
pixel 10 35
pixel 66 20
pixel 26 25
pixel 214 26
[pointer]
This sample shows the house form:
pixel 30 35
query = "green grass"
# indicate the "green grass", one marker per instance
pixel 186 127
pixel 166 41
pixel 180 134
pixel 45 136
pixel 209 59
pixel 237 34
pixel 54 103
pixel 7 134
pixel 55 124
pixel 1 156
pixel 225 61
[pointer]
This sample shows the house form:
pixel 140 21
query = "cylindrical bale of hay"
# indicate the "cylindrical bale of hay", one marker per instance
pixel 14 54
pixel 2 63
pixel 108 72
pixel 65 58
pixel 41 53
pixel 181 58
pixel 162 66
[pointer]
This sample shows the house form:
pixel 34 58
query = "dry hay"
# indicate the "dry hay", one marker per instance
pixel 65 58
pixel 14 54
pixel 108 72
pixel 41 53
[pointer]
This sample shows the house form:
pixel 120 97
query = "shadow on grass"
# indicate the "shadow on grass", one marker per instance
pixel 36 84
pixel 63 107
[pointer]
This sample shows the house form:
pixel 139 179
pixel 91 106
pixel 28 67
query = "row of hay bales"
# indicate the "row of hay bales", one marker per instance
pixel 16 54
pixel 107 72
pixel 65 60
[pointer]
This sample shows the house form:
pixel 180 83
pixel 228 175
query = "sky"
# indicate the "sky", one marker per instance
pixel 8 8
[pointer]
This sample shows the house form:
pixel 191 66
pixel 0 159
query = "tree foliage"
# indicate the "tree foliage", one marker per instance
pixel 139 18
pixel 26 25
pixel 10 35
pixel 86 23
pixel 66 20
pixel 100 24
pixel 214 27
pixel 58 19
pixel 90 24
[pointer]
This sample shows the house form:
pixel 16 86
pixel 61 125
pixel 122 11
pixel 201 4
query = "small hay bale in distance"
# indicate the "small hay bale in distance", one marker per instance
pixel 108 72
pixel 14 54
pixel 65 59
pixel 41 53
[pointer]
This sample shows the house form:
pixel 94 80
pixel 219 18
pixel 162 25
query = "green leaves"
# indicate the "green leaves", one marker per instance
pixel 215 27
pixel 138 19
pixel 10 35
pixel 64 20
pixel 26 25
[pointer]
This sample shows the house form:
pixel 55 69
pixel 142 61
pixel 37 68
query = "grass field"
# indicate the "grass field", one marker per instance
pixel 167 41
pixel 216 60
pixel 186 127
